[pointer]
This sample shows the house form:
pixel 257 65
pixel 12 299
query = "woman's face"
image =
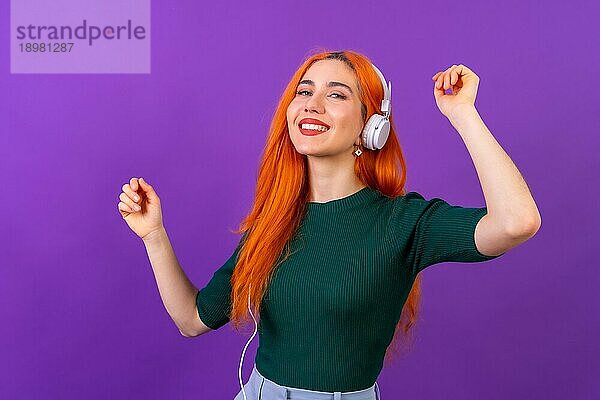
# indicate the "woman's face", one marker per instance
pixel 327 95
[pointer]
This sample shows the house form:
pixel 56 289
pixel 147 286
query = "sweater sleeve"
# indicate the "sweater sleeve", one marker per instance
pixel 213 301
pixel 440 232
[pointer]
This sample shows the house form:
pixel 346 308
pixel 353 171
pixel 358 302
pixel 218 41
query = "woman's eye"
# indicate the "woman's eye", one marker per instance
pixel 339 96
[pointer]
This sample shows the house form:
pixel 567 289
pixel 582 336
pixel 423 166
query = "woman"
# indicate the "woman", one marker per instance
pixel 332 249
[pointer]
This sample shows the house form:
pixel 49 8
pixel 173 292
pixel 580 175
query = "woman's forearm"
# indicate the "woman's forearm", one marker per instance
pixel 178 294
pixel 507 196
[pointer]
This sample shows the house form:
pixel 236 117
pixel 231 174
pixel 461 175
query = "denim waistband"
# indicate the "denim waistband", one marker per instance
pixel 275 390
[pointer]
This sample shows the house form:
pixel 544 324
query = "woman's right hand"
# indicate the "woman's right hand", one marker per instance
pixel 140 207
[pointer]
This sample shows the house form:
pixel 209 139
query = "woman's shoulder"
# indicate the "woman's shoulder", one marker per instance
pixel 409 200
pixel 411 205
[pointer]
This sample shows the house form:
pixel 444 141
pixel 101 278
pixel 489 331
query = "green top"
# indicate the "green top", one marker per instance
pixel 332 306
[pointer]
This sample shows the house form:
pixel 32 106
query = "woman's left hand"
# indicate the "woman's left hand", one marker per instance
pixel 463 83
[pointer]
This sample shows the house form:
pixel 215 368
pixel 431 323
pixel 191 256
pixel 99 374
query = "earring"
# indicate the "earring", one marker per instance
pixel 357 152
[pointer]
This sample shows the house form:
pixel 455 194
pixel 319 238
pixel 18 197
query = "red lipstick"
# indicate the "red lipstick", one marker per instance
pixel 312 132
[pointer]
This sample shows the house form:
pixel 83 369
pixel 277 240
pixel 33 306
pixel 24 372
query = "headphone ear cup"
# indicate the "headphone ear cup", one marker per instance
pixel 369 130
pixel 376 132
pixel 381 133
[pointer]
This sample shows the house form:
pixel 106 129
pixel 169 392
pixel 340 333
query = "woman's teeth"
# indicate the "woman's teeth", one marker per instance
pixel 314 127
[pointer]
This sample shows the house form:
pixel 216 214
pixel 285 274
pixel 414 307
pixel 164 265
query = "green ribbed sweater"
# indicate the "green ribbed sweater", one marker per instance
pixel 332 306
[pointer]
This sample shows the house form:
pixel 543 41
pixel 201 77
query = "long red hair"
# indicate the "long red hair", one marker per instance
pixel 282 193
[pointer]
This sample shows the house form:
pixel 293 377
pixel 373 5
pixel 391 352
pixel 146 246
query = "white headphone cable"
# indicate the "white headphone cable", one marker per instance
pixel 247 343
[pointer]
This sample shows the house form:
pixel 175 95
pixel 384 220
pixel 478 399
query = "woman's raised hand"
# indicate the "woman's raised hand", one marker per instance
pixel 463 83
pixel 140 207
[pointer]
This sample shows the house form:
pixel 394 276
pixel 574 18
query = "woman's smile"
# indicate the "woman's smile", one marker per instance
pixel 312 130
pixel 312 127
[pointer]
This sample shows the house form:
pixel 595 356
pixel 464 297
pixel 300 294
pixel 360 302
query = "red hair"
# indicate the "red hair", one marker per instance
pixel 282 192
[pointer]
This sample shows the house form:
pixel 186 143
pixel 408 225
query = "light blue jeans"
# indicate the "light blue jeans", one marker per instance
pixel 260 388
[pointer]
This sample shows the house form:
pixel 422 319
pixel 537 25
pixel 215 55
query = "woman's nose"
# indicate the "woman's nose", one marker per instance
pixel 314 103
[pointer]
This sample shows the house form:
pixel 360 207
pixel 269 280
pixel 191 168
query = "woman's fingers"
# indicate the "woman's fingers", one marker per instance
pixel 146 187
pixel 127 200
pixel 446 79
pixel 148 192
pixel 133 182
pixel 128 190
pixel 441 80
pixel 447 76
pixel 436 76
pixel 124 207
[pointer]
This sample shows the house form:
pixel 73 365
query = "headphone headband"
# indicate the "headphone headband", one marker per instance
pixel 387 92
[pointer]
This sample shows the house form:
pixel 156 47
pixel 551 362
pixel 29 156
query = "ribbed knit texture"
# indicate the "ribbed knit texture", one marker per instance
pixel 332 306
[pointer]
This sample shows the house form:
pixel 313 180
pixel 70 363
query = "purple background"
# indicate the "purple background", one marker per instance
pixel 81 313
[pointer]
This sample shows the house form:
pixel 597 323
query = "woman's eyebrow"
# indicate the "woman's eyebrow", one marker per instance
pixel 329 84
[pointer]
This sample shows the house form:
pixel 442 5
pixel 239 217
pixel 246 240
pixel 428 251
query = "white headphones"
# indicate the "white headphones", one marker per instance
pixel 246 346
pixel 377 128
